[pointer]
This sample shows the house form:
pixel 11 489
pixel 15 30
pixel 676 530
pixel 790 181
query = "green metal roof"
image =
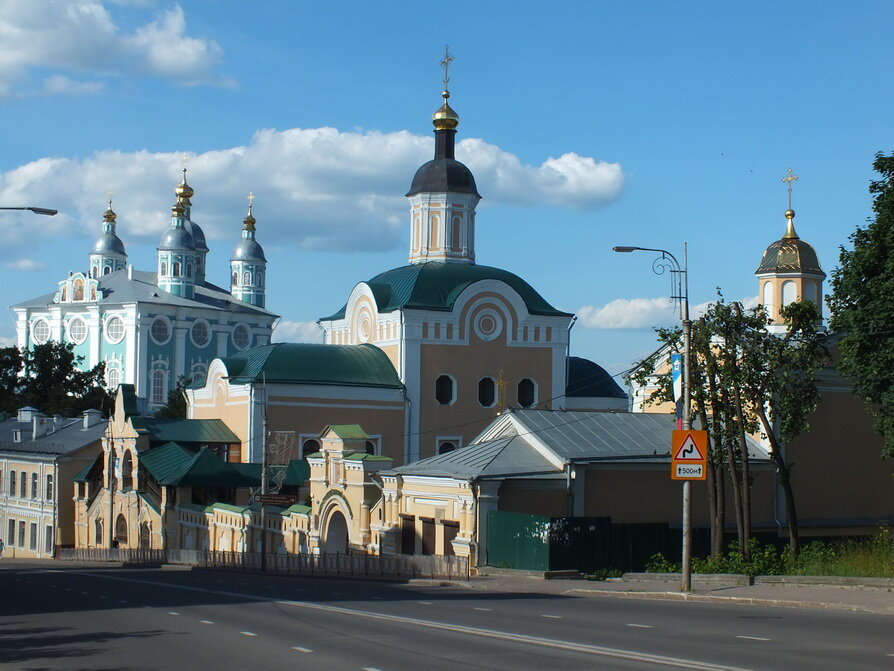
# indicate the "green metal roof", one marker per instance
pixel 435 285
pixel 363 456
pixel 299 509
pixel 310 363
pixel 185 430
pixel 206 469
pixel 165 461
pixel 84 474
pixel 348 431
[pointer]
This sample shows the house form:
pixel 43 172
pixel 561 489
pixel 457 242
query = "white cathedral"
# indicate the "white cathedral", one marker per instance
pixel 152 328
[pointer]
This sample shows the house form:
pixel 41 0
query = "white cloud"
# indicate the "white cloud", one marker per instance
pixel 317 188
pixel 26 264
pixel 643 313
pixel 8 341
pixel 80 36
pixel 288 331
pixel 628 313
pixel 60 84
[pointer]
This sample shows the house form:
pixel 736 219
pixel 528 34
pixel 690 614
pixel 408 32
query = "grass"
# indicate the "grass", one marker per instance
pixel 872 557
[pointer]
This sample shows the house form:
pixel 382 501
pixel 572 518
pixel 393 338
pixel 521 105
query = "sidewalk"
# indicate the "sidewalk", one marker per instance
pixel 831 593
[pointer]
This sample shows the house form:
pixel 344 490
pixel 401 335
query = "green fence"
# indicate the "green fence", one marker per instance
pixel 584 544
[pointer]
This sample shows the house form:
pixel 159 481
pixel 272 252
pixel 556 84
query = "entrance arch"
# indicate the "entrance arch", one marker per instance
pixel 336 534
pixel 121 531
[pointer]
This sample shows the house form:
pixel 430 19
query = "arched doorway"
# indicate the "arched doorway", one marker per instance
pixel 120 532
pixel 145 542
pixel 337 534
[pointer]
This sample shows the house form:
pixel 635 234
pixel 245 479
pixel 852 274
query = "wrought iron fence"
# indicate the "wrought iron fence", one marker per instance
pixel 437 567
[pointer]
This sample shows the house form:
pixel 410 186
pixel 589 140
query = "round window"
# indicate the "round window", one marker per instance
pixel 200 333
pixel 241 336
pixel 160 331
pixel 115 329
pixel 40 330
pixel 77 330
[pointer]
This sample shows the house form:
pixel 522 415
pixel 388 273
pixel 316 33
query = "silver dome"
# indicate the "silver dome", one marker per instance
pixel 198 235
pixel 177 239
pixel 248 250
pixel 109 244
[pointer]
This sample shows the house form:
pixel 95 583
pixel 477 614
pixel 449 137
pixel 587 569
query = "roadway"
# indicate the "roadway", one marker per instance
pixel 65 616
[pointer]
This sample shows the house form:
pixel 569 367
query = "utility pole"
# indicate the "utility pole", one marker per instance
pixel 264 481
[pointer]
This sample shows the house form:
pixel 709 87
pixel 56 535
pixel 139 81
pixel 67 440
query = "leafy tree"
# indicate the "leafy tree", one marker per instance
pixel 176 405
pixel 52 382
pixel 863 309
pixel 10 368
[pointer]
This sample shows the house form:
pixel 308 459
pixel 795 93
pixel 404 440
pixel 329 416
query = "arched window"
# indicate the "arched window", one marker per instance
pixel 159 387
pixel 34 485
pixel 49 488
pixel 97 532
pixel 145 539
pixel 189 270
pixel 12 483
pixel 310 446
pixel 176 269
pixel 246 278
pixel 235 279
pixel 260 277
pixel 446 446
pixel 127 471
pixel 164 268
pixel 789 292
pixel 486 392
pixel 77 292
pixel 121 531
pixel 444 390
pixel 23 484
pixel 106 270
pixel 370 447
pixel 527 393
pixel 93 272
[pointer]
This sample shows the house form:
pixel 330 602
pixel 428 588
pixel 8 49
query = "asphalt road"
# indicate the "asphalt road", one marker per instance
pixel 60 616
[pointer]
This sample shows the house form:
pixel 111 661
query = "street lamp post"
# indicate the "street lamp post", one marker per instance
pixel 35 210
pixel 680 294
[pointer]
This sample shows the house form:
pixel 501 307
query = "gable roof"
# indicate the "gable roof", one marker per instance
pixel 185 430
pixel 65 435
pixel 313 363
pixel 499 457
pixel 435 285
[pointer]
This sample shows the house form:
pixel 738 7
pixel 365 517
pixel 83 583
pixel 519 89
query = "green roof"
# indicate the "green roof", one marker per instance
pixel 173 464
pixel 299 509
pixel 348 431
pixel 185 430
pixel 363 456
pixel 435 285
pixel 310 363
pixel 84 474
pixel 165 461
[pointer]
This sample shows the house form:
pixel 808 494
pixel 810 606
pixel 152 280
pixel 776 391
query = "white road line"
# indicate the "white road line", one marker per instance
pixel 641 626
pixel 755 638
pixel 477 608
pixel 173 612
pixel 248 633
pixel 206 621
pixel 553 617
pixel 585 648
pixel 369 668
pixel 300 649
pixel 424 603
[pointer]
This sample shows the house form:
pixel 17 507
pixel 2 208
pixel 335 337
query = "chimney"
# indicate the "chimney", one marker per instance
pixel 91 418
pixel 57 423
pixel 26 414
pixel 130 272
pixel 40 425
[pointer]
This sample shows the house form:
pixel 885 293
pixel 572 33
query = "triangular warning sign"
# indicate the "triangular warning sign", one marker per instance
pixel 689 450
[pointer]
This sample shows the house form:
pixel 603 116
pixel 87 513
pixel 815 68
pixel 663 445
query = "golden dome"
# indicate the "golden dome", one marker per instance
pixel 109 215
pixel 445 118
pixel 790 227
pixel 178 210
pixel 248 224
pixel 183 190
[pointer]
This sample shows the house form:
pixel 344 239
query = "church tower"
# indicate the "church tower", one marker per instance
pixel 108 253
pixel 443 196
pixel 177 255
pixel 789 271
pixel 184 193
pixel 248 265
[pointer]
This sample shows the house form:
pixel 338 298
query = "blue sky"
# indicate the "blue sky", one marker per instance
pixel 587 125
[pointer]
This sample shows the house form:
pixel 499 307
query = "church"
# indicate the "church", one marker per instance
pixel 152 328
pixel 423 356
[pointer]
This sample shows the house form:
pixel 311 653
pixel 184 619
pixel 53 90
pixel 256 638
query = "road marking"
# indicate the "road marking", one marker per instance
pixel 755 638
pixel 585 648
pixel 369 668
pixel 300 649
pixel 641 626
pixel 553 617
pixel 206 621
pixel 248 633
pixel 173 612
pixel 477 608
pixel 424 603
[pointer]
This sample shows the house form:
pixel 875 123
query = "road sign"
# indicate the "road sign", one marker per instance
pixel 275 499
pixel 689 450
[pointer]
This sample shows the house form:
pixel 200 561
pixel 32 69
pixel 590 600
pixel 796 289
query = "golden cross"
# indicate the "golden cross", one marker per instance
pixel 792 177
pixel 446 65
pixel 110 194
pixel 251 200
pixel 184 159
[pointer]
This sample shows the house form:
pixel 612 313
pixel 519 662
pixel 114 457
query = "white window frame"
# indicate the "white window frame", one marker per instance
pixel 168 325
pixel 109 320
pixel 453 389
pixel 208 339
pixel 237 327
pixel 77 319
pixel 34 325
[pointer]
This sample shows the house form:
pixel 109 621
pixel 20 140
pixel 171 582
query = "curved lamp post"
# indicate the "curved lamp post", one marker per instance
pixel 36 210
pixel 680 294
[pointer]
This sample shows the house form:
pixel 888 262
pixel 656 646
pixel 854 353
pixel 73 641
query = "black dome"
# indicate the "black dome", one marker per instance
pixel 441 175
pixel 588 379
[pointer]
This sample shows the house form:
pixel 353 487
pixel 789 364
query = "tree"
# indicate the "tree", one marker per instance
pixel 52 382
pixel 10 368
pixel 176 405
pixel 863 309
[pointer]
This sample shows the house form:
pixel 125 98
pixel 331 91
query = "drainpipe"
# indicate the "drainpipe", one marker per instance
pixel 568 359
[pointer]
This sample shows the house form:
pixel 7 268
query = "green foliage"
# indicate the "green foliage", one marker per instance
pixel 175 408
pixel 48 378
pixel 761 560
pixel 862 309
pixel 658 563
pixel 603 574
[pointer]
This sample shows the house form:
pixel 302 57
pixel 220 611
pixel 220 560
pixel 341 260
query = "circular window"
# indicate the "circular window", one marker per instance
pixel 113 378
pixel 241 336
pixel 488 324
pixel 200 333
pixel 77 330
pixel 160 331
pixel 40 331
pixel 114 329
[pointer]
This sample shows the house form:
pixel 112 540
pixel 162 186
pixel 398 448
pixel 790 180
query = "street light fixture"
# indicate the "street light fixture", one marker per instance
pixel 35 210
pixel 679 294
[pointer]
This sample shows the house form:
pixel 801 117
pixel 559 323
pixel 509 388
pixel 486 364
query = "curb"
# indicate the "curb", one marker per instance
pixel 741 600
